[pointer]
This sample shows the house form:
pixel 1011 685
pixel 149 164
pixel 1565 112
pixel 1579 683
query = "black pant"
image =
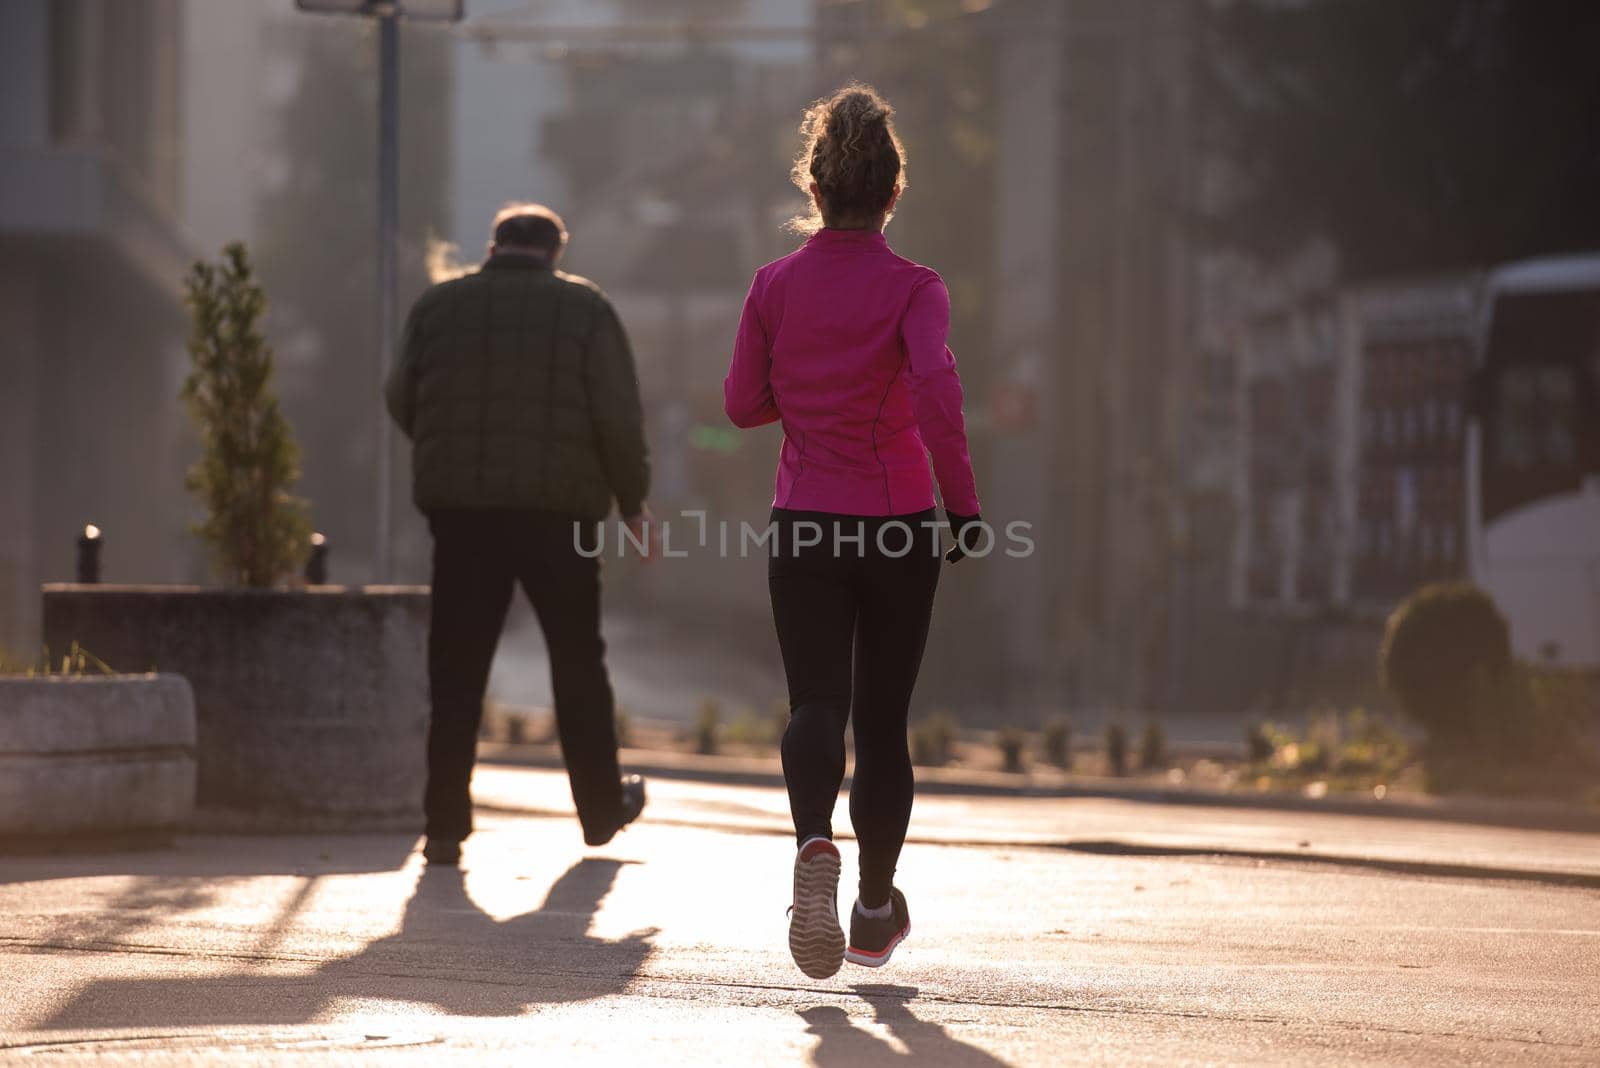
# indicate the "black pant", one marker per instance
pixel 852 619
pixel 478 556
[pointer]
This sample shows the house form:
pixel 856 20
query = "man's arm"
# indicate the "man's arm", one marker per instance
pixel 618 416
pixel 401 389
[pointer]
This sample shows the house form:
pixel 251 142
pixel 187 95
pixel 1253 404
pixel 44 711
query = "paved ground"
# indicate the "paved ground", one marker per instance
pixel 1046 932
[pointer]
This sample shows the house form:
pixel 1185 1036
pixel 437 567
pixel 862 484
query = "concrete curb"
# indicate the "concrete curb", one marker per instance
pixel 759 771
pixel 94 755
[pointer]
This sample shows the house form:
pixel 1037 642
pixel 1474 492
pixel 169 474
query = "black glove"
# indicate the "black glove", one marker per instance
pixel 959 523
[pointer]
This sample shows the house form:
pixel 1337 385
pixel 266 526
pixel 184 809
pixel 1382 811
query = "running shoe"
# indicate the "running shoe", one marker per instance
pixel 872 939
pixel 816 940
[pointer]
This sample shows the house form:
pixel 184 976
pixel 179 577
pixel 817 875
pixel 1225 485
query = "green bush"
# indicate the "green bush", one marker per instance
pixel 1259 744
pixel 779 712
pixel 1346 751
pixel 1446 657
pixel 1116 749
pixel 932 740
pixel 1056 741
pixel 1153 748
pixel 1539 747
pixel 258 531
pixel 749 729
pixel 1011 742
pixel 708 728
pixel 624 727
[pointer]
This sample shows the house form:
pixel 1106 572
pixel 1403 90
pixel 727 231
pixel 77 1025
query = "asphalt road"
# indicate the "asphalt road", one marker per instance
pixel 1045 932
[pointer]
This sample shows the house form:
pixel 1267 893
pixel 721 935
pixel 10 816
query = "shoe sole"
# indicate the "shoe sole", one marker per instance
pixel 816 941
pixel 868 959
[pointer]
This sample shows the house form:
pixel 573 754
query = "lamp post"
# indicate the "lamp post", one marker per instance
pixel 89 555
pixel 388 13
pixel 317 562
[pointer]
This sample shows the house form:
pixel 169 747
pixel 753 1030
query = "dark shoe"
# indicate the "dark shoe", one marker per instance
pixel 872 940
pixel 632 805
pixel 815 940
pixel 443 852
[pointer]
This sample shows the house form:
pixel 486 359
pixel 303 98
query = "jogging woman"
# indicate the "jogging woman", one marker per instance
pixel 844 343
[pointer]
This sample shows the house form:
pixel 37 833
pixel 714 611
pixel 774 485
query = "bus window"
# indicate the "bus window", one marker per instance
pixel 1537 417
pixel 1541 431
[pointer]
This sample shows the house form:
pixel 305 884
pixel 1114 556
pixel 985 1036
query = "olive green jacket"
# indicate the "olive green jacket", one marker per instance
pixel 517 388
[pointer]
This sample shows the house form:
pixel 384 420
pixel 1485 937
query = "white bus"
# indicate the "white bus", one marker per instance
pixel 1533 457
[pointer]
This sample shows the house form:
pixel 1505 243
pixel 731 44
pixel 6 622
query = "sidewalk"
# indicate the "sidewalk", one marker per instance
pixel 1115 826
pixel 1049 782
pixel 1047 931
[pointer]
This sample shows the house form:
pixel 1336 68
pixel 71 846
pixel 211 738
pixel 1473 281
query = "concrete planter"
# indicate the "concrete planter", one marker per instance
pixel 311 704
pixel 95 755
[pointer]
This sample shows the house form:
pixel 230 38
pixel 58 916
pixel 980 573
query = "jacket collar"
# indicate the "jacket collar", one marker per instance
pixel 829 237
pixel 516 261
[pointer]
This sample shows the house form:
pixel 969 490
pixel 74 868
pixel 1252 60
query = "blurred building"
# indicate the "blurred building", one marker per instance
pixel 137 135
pixel 1085 407
pixel 1407 355
pixel 1349 482
pixel 91 318
pixel 1352 404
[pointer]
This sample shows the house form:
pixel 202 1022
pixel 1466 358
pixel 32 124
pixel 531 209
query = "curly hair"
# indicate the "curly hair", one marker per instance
pixel 850 150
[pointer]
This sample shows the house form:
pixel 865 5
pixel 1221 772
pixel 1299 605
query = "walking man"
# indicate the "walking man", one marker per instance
pixel 516 386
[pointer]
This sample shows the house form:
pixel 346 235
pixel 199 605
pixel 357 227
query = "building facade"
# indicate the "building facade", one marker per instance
pixel 91 318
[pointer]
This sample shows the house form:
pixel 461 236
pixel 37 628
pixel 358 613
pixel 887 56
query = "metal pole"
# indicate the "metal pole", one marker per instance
pixel 388 224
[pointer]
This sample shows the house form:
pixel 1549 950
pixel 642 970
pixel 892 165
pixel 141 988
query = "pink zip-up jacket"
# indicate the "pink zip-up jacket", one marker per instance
pixel 844 342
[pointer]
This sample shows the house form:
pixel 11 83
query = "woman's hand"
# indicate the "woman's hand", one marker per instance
pixel 960 524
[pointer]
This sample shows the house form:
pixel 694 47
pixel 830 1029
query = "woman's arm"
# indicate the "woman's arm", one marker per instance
pixel 936 394
pixel 747 391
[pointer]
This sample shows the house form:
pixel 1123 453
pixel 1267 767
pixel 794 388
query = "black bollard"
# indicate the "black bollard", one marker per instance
pixel 89 555
pixel 317 563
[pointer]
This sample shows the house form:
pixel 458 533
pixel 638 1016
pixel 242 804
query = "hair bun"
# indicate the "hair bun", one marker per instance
pixel 864 107
pixel 851 153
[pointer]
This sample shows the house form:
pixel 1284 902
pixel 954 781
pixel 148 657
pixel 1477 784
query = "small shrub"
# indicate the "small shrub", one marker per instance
pixel 1348 751
pixel 1258 743
pixel 1056 741
pixel 259 533
pixel 1153 748
pixel 749 729
pixel 624 728
pixel 76 662
pixel 708 728
pixel 1116 749
pixel 1011 742
pixel 516 729
pixel 780 720
pixel 932 740
pixel 1559 708
pixel 1446 657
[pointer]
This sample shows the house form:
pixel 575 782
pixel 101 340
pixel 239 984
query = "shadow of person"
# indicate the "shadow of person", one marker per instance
pixel 448 953
pixel 485 966
pixel 841 1044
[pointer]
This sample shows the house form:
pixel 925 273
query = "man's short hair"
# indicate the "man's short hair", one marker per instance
pixel 529 226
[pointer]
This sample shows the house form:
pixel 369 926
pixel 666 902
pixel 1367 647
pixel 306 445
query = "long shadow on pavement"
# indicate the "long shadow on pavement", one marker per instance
pixel 841 1044
pixel 448 953
pixel 199 872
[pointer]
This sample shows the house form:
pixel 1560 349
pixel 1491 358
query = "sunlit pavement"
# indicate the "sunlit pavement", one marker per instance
pixel 1046 932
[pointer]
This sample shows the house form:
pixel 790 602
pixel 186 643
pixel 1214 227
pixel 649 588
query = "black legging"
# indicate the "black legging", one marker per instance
pixel 852 618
